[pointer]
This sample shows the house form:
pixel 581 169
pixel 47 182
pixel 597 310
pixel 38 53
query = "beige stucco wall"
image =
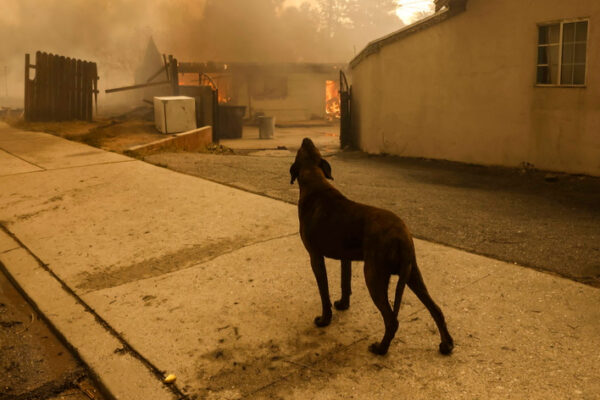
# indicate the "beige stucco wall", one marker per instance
pixel 464 90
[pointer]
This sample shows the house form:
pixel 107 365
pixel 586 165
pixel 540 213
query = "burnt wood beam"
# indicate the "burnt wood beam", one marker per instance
pixel 140 86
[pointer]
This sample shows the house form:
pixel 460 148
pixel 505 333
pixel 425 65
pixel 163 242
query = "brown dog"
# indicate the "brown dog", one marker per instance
pixel 335 227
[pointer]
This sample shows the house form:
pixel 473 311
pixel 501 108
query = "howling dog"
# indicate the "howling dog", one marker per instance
pixel 335 227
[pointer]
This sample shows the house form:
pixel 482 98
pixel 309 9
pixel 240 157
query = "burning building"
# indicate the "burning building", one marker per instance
pixel 286 91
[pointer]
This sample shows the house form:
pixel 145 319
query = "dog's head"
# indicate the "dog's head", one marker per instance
pixel 309 156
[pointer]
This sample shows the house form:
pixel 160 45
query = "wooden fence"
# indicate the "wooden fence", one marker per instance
pixel 63 88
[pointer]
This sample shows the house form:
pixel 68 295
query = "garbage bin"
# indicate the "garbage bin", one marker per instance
pixel 230 121
pixel 266 127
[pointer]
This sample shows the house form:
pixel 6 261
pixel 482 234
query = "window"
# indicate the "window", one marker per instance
pixel 562 53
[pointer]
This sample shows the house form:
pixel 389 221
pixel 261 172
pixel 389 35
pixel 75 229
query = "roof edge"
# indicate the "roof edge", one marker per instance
pixel 445 9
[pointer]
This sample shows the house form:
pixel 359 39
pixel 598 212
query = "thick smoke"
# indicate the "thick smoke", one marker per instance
pixel 114 33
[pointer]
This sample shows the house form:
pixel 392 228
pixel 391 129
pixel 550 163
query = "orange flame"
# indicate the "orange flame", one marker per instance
pixel 332 99
pixel 223 82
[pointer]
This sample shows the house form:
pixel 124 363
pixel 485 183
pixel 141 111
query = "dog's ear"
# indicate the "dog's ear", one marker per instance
pixel 294 172
pixel 326 168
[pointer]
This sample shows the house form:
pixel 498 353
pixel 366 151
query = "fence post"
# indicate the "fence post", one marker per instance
pixel 88 91
pixel 95 85
pixel 72 72
pixel 45 86
pixel 174 78
pixel 40 92
pixel 61 89
pixel 52 84
pixel 78 90
pixel 26 109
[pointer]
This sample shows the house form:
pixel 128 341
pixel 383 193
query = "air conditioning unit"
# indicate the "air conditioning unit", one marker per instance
pixel 174 114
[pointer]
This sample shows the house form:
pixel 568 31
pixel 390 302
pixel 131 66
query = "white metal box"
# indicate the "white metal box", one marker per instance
pixel 174 114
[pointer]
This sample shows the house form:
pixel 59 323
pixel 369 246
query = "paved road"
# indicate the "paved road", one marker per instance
pixel 545 222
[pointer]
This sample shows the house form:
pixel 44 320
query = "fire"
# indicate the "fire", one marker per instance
pixel 332 99
pixel 223 99
pixel 222 82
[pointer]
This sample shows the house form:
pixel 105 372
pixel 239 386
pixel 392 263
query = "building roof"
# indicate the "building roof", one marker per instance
pixel 444 9
pixel 219 67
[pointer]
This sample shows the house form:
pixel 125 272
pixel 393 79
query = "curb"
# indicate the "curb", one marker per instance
pixel 193 140
pixel 118 369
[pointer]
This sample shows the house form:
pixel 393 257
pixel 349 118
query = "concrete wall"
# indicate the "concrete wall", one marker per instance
pixel 464 90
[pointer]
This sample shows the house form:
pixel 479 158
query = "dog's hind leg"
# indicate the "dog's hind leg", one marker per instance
pixel 377 283
pixel 416 284
pixel 317 263
pixel 344 302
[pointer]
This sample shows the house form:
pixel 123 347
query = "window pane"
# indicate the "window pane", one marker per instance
pixel 552 54
pixel 566 75
pixel 547 75
pixel 543 35
pixel 579 75
pixel 569 32
pixel 568 53
pixel 580 53
pixel 549 34
pixel 581 31
pixel 548 54
pixel 543 75
pixel 542 55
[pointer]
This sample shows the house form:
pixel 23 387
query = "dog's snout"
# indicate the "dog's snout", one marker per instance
pixel 307 142
pixel 294 172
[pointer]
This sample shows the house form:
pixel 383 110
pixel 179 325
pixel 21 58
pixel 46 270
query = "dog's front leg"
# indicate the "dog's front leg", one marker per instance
pixel 317 263
pixel 344 302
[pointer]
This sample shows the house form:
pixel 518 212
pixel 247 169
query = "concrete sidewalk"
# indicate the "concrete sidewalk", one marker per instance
pixel 147 272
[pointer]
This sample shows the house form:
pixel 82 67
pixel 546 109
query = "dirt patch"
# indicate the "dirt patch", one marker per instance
pixel 66 129
pixel 33 363
pixel 116 134
pixel 214 148
pixel 109 134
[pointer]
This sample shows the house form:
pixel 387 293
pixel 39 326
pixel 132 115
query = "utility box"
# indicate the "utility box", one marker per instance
pixel 174 114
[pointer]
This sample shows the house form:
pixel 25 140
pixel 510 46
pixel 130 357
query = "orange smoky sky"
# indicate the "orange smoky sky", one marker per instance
pixel 115 33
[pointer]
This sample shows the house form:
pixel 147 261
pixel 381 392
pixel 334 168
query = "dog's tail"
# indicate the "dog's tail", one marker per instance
pixel 416 284
pixel 402 281
pixel 398 297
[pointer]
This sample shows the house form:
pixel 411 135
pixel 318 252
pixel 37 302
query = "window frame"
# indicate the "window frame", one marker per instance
pixel 560 53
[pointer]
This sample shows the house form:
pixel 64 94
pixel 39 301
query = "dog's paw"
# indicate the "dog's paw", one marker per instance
pixel 341 305
pixel 446 348
pixel 322 321
pixel 377 348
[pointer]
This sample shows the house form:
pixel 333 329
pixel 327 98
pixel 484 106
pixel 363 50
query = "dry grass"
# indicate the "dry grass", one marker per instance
pixel 63 129
pixel 116 135
pixel 108 134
